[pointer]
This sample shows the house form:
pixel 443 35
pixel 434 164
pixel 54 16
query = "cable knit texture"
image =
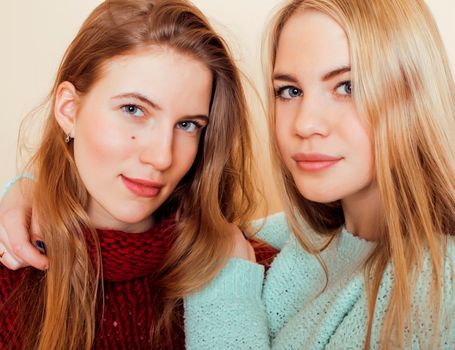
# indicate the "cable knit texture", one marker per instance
pixel 292 313
pixel 130 299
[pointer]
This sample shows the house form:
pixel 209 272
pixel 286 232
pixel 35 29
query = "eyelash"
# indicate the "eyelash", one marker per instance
pixel 279 91
pixel 125 107
pixel 197 125
pixel 340 85
pixel 128 105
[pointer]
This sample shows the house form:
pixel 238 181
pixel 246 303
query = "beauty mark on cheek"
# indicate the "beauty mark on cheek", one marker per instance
pixel 133 137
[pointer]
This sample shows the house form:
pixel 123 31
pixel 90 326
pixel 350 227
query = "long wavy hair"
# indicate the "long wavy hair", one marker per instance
pixel 60 307
pixel 404 89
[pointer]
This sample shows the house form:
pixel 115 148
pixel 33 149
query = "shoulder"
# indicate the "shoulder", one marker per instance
pixel 11 306
pixel 447 266
pixel 273 229
pixel 423 294
pixel 450 253
pixel 10 280
pixel 449 270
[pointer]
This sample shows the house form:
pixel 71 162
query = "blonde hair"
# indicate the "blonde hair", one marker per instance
pixel 61 306
pixel 404 89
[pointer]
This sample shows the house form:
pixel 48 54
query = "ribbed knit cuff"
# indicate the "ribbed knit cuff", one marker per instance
pixel 239 279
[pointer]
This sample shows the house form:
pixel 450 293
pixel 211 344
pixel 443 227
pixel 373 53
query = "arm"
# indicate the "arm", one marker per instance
pixel 228 313
pixel 15 220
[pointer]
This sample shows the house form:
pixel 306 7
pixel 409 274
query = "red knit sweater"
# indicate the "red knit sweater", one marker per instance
pixel 130 299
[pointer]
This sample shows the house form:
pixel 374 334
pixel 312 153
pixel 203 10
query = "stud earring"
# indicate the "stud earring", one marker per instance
pixel 68 138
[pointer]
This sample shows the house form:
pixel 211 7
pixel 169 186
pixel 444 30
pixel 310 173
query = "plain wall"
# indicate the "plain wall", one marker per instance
pixel 34 35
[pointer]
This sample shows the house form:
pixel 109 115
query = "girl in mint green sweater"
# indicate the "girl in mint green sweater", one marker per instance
pixel 362 114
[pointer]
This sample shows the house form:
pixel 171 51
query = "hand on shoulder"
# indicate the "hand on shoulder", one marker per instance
pixel 16 219
pixel 242 248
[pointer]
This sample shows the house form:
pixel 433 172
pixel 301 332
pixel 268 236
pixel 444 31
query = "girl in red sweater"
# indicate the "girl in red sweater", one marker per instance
pixel 141 167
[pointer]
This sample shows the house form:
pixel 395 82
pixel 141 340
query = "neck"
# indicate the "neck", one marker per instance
pixel 139 227
pixel 362 212
pixel 102 219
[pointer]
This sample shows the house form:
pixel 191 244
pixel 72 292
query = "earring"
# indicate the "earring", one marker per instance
pixel 68 138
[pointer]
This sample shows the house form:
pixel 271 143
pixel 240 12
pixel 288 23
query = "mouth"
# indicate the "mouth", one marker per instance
pixel 312 162
pixel 142 188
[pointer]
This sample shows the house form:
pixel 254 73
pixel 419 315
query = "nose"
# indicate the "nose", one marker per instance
pixel 157 148
pixel 312 118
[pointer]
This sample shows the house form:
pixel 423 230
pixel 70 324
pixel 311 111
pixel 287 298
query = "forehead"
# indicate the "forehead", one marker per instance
pixel 154 64
pixel 311 39
pixel 169 78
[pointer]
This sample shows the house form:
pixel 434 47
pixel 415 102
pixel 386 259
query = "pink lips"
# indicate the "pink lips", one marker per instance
pixel 142 188
pixel 313 162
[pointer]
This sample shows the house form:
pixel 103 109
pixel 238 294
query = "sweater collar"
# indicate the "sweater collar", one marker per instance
pixel 128 256
pixel 351 251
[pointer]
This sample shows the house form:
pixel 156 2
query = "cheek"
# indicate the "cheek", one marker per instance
pixel 285 115
pixel 100 143
pixel 185 152
pixel 368 156
pixel 283 133
pixel 361 143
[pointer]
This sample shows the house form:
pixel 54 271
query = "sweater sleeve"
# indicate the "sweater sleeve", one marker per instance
pixel 228 313
pixel 447 330
pixel 273 229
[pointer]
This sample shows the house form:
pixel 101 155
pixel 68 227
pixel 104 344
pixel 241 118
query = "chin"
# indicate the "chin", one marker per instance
pixel 132 219
pixel 318 195
pixel 321 199
pixel 132 214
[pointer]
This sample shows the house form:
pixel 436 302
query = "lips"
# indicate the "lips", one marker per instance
pixel 313 162
pixel 142 188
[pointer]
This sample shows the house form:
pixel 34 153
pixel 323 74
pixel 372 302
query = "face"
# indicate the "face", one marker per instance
pixel 136 134
pixel 324 143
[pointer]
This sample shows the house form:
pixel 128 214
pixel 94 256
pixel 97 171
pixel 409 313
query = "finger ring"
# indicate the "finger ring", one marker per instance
pixel 1 254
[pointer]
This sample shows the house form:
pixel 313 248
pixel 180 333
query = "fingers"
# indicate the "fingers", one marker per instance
pixel 34 227
pixel 249 248
pixel 242 247
pixel 251 253
pixel 8 260
pixel 30 256
pixel 15 239
pixel 15 212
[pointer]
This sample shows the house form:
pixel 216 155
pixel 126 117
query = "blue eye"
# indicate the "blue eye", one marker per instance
pixel 288 92
pixel 189 126
pixel 344 88
pixel 133 110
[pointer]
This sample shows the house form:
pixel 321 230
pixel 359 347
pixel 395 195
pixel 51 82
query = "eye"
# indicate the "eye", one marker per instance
pixel 288 92
pixel 133 110
pixel 189 126
pixel 344 88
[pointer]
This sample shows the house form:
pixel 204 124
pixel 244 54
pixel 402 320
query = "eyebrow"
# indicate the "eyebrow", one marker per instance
pixel 139 97
pixel 335 72
pixel 327 76
pixel 154 105
pixel 285 77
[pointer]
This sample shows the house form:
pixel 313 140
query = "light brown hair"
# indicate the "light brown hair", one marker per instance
pixel 403 87
pixel 61 305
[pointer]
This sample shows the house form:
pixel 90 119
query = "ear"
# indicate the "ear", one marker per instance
pixel 65 107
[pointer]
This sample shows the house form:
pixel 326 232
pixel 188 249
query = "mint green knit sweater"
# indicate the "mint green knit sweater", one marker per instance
pixel 238 310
